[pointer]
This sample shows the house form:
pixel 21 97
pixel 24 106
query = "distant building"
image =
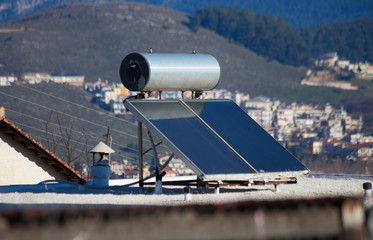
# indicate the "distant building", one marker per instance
pixel 327 60
pixel 262 117
pixel 363 70
pixel 259 103
pixel 359 138
pixel 117 167
pixel 7 79
pixel 356 138
pixel 367 139
pixel 344 64
pixel 108 96
pixel 117 107
pixel 217 94
pixel 285 117
pixel 317 147
pixel 121 91
pixel 284 133
pixel 365 152
pixel 256 115
pixel 71 79
pixel 304 122
pixel 240 98
pixel 336 131
pixel 34 78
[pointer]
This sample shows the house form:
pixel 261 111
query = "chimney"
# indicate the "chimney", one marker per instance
pixel 100 171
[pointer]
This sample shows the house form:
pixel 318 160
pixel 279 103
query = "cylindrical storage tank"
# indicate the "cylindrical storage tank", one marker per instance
pixel 169 72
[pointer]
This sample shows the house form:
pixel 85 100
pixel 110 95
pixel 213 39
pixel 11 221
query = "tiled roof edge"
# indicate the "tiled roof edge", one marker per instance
pixel 41 148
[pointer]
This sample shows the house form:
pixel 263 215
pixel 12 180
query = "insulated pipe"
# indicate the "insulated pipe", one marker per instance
pixel 169 72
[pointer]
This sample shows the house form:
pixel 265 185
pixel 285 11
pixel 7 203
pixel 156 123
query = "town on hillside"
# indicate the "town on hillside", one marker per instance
pixel 331 71
pixel 307 130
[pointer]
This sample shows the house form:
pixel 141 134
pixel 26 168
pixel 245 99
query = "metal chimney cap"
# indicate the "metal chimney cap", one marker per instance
pixel 101 148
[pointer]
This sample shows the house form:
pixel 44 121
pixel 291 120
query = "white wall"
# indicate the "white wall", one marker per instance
pixel 21 168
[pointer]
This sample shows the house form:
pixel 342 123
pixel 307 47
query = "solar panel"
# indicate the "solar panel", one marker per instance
pixel 214 137
pixel 188 137
pixel 250 140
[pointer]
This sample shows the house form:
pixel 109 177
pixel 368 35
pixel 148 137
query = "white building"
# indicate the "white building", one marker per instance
pixel 284 133
pixel 7 79
pixel 117 168
pixel 356 138
pixel 327 60
pixel 365 152
pixel 285 117
pixel 256 115
pixel 34 78
pixel 240 98
pixel 259 103
pixel 117 107
pixel 317 147
pixel 302 123
pixel 108 96
pixel 71 79
pixel 343 64
pixel 336 131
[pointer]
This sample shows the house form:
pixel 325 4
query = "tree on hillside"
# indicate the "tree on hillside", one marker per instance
pixel 352 40
pixel 277 40
pixel 266 35
pixel 63 138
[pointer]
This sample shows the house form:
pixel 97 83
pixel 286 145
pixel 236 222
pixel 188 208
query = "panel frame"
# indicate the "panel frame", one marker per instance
pixel 189 163
pixel 255 129
pixel 200 174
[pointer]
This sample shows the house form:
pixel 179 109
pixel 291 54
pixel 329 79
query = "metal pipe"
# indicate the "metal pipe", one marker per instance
pixel 140 154
pixel 169 72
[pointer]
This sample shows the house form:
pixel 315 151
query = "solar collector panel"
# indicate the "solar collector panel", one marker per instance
pixel 250 140
pixel 190 137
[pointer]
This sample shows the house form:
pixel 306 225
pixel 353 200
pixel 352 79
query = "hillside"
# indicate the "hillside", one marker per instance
pixel 92 39
pixel 264 34
pixel 352 40
pixel 33 108
pixel 276 39
pixel 300 13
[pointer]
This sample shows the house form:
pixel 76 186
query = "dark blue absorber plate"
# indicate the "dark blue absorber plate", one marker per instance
pixel 190 136
pixel 250 140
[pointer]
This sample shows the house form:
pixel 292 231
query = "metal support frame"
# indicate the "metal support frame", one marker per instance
pixel 140 153
pixel 203 180
pixel 149 149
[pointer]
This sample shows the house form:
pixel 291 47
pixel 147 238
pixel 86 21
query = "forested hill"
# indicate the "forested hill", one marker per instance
pixel 299 13
pixel 276 39
pixel 352 40
pixel 265 35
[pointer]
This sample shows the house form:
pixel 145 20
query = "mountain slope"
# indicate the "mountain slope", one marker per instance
pixel 92 39
pixel 33 108
pixel 300 13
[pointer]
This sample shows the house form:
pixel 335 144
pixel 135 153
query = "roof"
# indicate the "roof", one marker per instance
pixel 44 154
pixel 66 75
pixel 101 148
pixel 347 145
